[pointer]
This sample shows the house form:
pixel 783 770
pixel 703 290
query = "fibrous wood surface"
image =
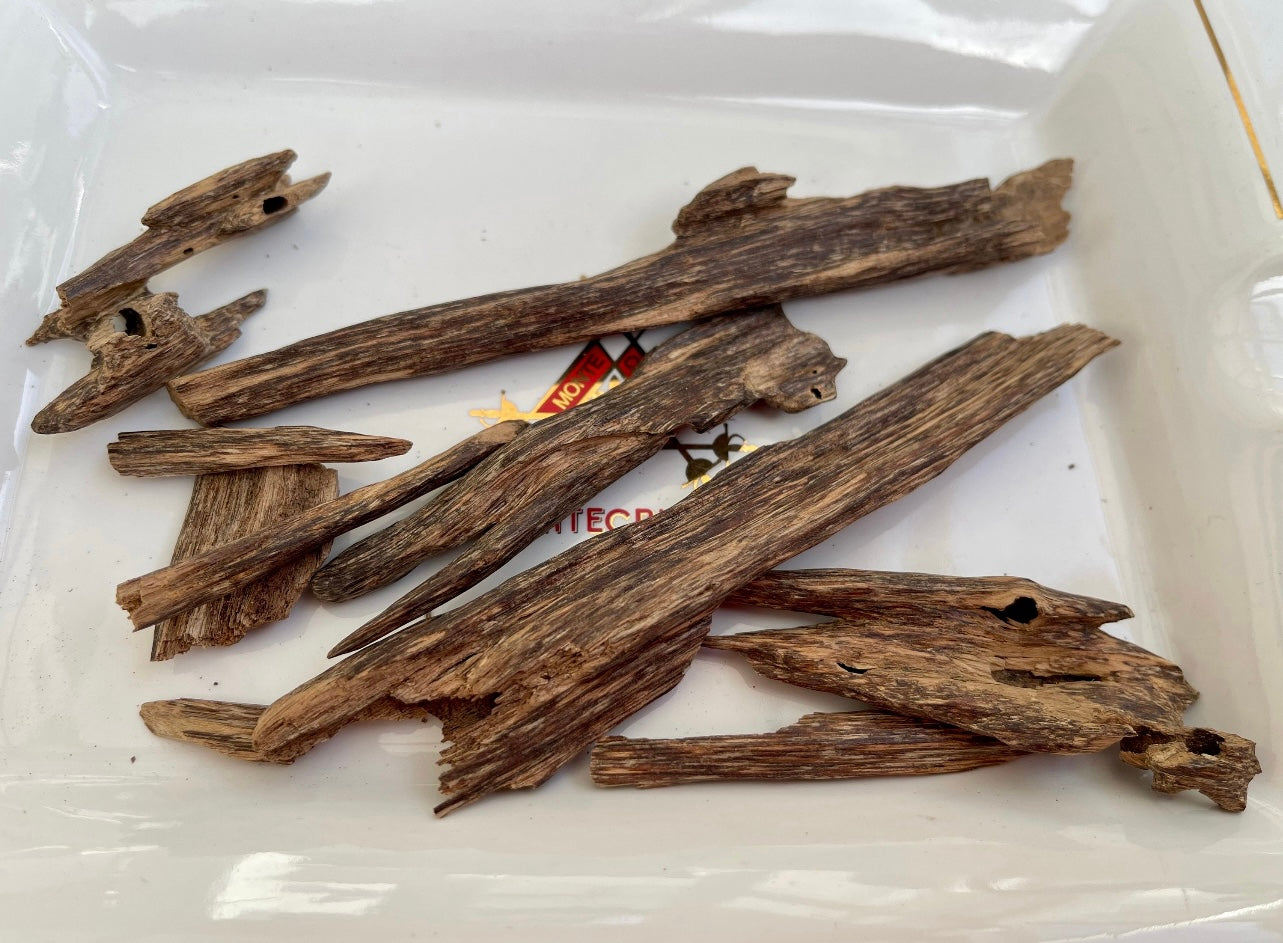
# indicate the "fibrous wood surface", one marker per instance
pixel 699 378
pixel 1218 764
pixel 137 351
pixel 852 745
pixel 205 451
pixel 180 586
pixel 1007 659
pixel 228 505
pixel 235 201
pixel 741 243
pixel 538 641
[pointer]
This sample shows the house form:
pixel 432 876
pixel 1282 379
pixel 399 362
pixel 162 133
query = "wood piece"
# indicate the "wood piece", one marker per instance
pixel 228 727
pixel 853 745
pixel 1039 677
pixel 740 243
pixel 228 505
pixel 699 378
pixel 1219 765
pixel 205 451
pixel 178 587
pixel 238 200
pixel 609 599
pixel 925 597
pixel 136 352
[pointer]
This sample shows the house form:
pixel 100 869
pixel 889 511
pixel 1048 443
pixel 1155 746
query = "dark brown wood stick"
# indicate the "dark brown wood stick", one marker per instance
pixel 180 586
pixel 228 505
pixel 925 597
pixel 1039 685
pixel 741 243
pixel 851 745
pixel 610 598
pixel 235 201
pixel 1218 764
pixel 699 378
pixel 161 452
pixel 151 342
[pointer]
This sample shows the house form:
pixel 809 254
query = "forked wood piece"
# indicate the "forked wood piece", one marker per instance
pixel 162 452
pixel 181 586
pixel 228 505
pixel 611 600
pixel 1037 677
pixel 699 378
pixel 1219 765
pixel 136 352
pixel 238 200
pixel 741 243
pixel 853 745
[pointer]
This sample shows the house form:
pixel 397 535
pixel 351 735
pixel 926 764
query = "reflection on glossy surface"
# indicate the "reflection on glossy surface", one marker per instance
pixel 266 883
pixel 1004 32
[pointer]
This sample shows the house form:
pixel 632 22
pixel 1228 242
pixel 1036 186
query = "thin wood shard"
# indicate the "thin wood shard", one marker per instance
pixel 228 505
pixel 235 201
pixel 227 727
pixel 699 378
pixel 205 451
pixel 137 351
pixel 853 745
pixel 180 586
pixel 611 601
pixel 1039 676
pixel 740 244
pixel 1219 765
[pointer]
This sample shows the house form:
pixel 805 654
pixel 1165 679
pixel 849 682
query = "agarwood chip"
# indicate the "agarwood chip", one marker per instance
pixel 741 243
pixel 1219 765
pixel 224 507
pixel 162 452
pixel 852 745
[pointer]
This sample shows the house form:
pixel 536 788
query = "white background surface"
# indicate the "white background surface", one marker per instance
pixel 482 147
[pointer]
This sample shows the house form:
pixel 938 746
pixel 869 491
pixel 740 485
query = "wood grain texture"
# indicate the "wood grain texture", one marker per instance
pixel 741 243
pixel 137 351
pixel 166 592
pixel 925 597
pixel 699 378
pixel 1039 683
pixel 1218 764
pixel 163 452
pixel 227 727
pixel 610 599
pixel 228 505
pixel 238 200
pixel 854 745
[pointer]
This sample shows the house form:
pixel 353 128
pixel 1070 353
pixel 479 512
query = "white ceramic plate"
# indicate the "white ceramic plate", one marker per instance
pixel 477 147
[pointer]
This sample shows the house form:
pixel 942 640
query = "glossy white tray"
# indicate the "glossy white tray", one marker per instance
pixel 477 147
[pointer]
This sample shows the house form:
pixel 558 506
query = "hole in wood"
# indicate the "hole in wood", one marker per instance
pixel 273 204
pixel 1023 610
pixel 854 671
pixel 188 251
pixel 815 391
pixel 1023 678
pixel 129 321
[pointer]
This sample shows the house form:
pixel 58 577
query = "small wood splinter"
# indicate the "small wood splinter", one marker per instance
pixel 854 745
pixel 699 378
pixel 162 452
pixel 742 242
pixel 139 341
